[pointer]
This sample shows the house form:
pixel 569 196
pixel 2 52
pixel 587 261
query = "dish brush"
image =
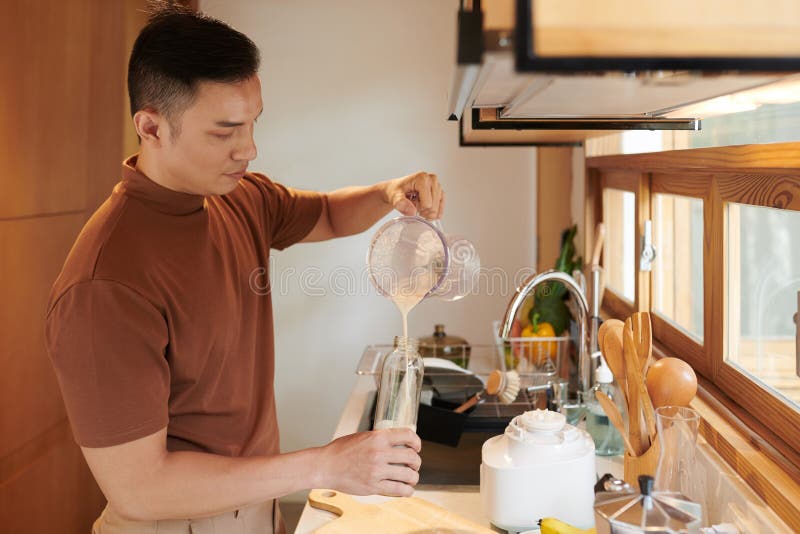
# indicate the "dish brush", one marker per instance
pixel 505 386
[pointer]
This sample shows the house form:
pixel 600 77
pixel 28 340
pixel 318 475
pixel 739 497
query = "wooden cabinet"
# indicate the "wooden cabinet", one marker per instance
pixel 685 29
pixel 62 103
pixel 556 72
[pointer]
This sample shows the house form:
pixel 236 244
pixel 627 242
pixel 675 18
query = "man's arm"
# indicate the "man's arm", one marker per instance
pixel 143 481
pixel 352 210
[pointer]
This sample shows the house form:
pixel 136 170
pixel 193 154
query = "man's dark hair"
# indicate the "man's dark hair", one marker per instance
pixel 177 49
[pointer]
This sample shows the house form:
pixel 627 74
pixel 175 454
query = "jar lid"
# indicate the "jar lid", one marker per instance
pixel 542 421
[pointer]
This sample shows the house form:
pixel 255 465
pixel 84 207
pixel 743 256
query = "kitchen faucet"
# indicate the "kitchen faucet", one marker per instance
pixel 529 286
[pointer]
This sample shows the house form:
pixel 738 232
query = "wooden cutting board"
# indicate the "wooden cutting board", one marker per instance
pixel 405 515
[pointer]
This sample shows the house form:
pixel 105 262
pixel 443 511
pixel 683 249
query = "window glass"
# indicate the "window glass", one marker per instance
pixel 770 123
pixel 619 210
pixel 721 125
pixel 678 266
pixel 763 296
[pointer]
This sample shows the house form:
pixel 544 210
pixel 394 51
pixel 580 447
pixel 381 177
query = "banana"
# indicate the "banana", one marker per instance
pixel 551 525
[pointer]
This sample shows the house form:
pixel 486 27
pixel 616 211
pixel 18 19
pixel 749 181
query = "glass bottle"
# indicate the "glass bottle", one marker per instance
pixel 607 439
pixel 401 384
pixel 677 435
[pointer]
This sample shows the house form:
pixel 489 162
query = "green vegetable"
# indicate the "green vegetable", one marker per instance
pixel 550 299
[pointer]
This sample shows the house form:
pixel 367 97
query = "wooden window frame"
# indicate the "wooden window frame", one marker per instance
pixel 699 356
pixel 781 190
pixel 757 175
pixel 638 184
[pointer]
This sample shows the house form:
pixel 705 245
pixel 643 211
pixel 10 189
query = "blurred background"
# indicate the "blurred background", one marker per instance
pixel 354 92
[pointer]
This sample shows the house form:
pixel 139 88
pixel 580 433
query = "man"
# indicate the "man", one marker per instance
pixel 163 353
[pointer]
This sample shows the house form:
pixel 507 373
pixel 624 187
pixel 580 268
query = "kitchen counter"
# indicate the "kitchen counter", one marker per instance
pixel 462 500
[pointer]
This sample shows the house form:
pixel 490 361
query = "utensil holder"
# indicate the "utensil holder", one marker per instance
pixel 644 464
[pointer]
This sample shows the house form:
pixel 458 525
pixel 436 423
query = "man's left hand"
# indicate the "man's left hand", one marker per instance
pixel 418 193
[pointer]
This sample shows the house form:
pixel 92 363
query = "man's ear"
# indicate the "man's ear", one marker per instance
pixel 150 126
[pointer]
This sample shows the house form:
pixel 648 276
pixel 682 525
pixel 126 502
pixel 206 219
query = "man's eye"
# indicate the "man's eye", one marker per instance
pixel 222 136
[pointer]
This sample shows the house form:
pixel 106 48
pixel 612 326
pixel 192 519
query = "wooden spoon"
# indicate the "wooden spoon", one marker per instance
pixel 616 418
pixel 597 289
pixel 611 345
pixel 607 325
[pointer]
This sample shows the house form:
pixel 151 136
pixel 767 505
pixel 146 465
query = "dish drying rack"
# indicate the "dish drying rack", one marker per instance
pixel 454 376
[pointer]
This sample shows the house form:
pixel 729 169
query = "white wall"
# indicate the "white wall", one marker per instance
pixel 355 91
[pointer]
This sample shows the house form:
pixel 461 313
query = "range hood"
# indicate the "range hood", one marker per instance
pixel 544 72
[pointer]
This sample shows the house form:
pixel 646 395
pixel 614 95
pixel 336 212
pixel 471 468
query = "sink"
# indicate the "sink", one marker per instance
pixel 444 464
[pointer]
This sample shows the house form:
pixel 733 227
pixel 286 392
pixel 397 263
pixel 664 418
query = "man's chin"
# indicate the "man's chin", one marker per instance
pixel 228 183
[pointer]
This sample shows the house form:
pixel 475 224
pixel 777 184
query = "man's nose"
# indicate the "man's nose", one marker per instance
pixel 247 150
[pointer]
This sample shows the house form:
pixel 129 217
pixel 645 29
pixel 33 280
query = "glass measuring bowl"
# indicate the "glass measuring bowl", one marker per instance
pixel 408 255
pixel 412 254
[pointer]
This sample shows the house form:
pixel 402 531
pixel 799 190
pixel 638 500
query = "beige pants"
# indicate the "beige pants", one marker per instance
pixel 257 519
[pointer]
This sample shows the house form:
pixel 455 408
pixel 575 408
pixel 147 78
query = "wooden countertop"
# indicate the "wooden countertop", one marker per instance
pixel 463 500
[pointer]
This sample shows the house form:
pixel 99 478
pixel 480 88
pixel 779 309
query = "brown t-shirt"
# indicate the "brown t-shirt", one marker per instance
pixel 160 317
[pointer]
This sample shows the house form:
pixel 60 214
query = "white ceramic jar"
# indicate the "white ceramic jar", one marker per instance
pixel 540 467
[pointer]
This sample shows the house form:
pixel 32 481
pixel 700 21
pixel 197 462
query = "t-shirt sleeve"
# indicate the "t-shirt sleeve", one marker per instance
pixel 290 213
pixel 107 344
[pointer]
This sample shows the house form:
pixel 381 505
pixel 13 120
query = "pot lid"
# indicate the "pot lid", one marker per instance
pixel 440 344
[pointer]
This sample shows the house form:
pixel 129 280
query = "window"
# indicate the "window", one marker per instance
pixel 769 123
pixel 773 120
pixel 678 267
pixel 618 216
pixel 763 285
pixel 724 289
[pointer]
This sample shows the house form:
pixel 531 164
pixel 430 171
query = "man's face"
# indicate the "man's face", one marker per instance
pixel 214 145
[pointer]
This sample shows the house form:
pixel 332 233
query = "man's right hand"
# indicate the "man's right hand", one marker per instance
pixel 143 481
pixel 384 462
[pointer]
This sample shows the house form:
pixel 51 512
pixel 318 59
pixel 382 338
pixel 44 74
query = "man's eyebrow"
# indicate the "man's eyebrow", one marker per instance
pixel 229 124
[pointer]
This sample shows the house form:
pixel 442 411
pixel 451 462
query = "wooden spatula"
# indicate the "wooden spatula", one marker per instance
pixel 632 376
pixel 642 329
pixel 643 339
